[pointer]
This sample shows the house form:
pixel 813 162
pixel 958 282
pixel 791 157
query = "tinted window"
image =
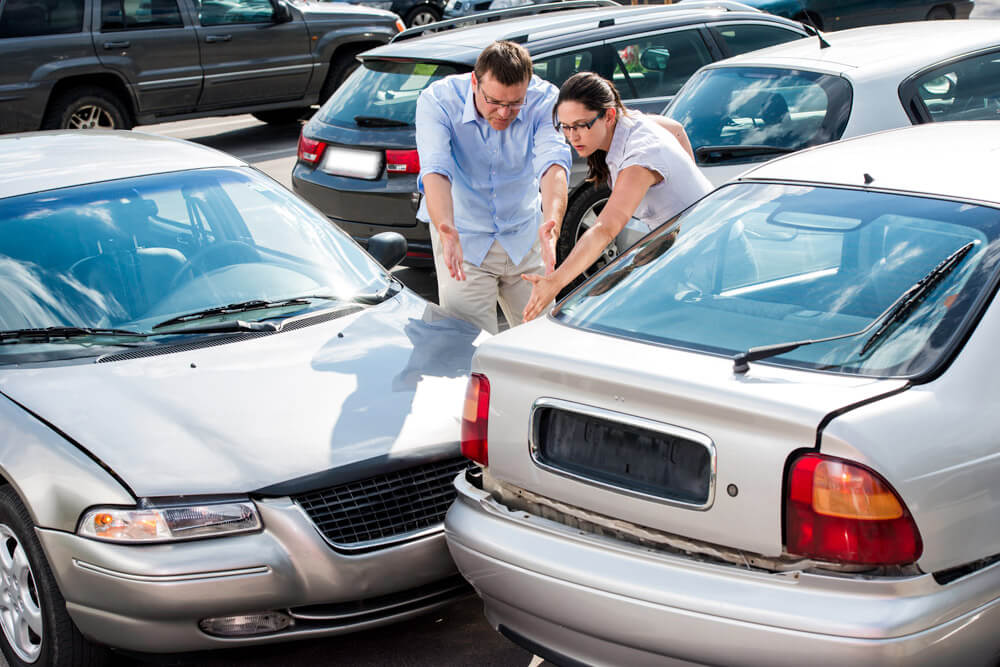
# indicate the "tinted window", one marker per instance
pixel 743 38
pixel 965 90
pixel 26 18
pixel 216 12
pixel 133 14
pixel 761 264
pixel 382 91
pixel 657 66
pixel 746 113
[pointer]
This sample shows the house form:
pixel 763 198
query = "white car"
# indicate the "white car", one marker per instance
pixel 752 107
pixel 765 435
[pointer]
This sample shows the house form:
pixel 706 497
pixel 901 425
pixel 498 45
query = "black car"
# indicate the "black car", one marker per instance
pixel 357 158
pixel 413 12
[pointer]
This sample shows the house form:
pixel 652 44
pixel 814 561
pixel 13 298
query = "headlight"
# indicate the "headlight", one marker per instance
pixel 506 4
pixel 165 524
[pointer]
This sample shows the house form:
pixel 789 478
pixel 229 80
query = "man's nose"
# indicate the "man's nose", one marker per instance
pixel 506 112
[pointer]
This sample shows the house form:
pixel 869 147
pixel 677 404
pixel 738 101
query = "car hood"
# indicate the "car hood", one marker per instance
pixel 290 411
pixel 331 10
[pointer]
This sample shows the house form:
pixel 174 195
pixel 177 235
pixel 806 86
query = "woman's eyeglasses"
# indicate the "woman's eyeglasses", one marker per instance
pixel 582 125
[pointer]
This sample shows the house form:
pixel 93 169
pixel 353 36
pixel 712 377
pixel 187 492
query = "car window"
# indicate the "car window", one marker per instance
pixel 137 14
pixel 217 12
pixel 762 264
pixel 741 114
pixel 556 69
pixel 965 90
pixel 383 90
pixel 658 65
pixel 743 38
pixel 28 18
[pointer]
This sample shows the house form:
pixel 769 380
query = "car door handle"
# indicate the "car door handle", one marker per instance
pixel 218 38
pixel 117 45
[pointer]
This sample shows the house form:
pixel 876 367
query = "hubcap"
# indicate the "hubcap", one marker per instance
pixel 20 613
pixel 89 117
pixel 423 18
pixel 588 220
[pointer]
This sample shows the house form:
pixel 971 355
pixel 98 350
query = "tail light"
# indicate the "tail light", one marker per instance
pixel 402 162
pixel 843 512
pixel 475 417
pixel 310 150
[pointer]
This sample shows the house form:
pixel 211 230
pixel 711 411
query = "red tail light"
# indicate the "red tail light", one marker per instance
pixel 310 150
pixel 475 417
pixel 402 162
pixel 843 512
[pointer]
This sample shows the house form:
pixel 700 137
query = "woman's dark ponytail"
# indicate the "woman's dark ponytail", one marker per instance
pixel 597 94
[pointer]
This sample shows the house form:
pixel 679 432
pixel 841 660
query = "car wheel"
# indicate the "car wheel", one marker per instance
pixel 36 628
pixel 340 69
pixel 581 215
pixel 281 116
pixel 939 13
pixel 422 16
pixel 86 108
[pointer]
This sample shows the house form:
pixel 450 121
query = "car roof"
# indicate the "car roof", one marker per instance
pixel 463 44
pixel 875 50
pixel 37 161
pixel 953 160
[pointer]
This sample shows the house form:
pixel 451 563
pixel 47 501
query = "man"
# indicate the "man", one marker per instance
pixel 487 145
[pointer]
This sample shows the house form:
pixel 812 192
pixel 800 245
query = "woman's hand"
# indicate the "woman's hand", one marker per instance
pixel 543 292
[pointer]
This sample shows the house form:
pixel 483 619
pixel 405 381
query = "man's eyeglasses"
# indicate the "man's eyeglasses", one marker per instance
pixel 582 125
pixel 513 106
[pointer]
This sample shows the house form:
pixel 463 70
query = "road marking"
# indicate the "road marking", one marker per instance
pixel 281 152
pixel 535 661
pixel 205 126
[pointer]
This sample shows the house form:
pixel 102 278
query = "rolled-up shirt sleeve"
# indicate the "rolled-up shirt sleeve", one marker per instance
pixel 550 144
pixel 433 138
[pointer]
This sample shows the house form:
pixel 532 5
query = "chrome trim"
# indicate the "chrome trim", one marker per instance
pixel 628 420
pixel 444 590
pixel 266 70
pixel 170 578
pixel 162 82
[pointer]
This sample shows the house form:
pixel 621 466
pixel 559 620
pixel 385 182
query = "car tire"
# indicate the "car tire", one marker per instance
pixel 940 13
pixel 281 116
pixel 37 630
pixel 422 15
pixel 340 69
pixel 86 108
pixel 580 215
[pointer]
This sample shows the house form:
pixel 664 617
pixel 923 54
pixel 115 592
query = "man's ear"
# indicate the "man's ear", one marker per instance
pixel 475 84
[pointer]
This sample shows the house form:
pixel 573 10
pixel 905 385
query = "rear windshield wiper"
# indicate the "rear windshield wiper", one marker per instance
pixel 378 121
pixel 713 154
pixel 243 306
pixel 52 334
pixel 898 311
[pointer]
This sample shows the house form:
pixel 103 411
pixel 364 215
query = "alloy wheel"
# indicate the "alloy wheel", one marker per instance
pixel 422 18
pixel 588 220
pixel 90 116
pixel 20 608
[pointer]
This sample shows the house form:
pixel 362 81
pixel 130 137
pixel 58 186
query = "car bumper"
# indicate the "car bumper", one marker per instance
pixel 575 596
pixel 151 598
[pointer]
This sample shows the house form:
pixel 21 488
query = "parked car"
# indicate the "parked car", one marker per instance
pixel 837 15
pixel 414 12
pixel 222 423
pixel 762 436
pixel 357 158
pixel 109 64
pixel 755 106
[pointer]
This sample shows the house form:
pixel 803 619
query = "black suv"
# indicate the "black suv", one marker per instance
pixel 357 159
pixel 119 63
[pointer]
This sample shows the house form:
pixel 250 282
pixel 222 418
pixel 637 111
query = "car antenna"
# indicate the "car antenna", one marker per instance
pixel 823 44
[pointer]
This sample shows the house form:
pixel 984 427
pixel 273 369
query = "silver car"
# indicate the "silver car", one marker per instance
pixel 221 422
pixel 765 435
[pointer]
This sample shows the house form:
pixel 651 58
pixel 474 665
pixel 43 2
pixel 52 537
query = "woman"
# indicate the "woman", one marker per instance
pixel 647 159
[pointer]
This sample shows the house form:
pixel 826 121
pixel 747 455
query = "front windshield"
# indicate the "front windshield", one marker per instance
pixel 760 264
pixel 728 111
pixel 130 253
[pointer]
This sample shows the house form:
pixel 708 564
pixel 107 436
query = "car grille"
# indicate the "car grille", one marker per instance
pixel 378 510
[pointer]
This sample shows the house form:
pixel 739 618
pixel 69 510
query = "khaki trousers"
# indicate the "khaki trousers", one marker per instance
pixel 496 280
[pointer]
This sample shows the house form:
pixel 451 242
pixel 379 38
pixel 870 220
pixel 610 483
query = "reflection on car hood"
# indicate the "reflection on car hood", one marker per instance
pixel 322 11
pixel 383 383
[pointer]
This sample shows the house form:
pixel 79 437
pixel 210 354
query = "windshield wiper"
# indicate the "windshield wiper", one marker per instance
pixel 713 154
pixel 51 334
pixel 898 311
pixel 378 121
pixel 241 307
pixel 392 289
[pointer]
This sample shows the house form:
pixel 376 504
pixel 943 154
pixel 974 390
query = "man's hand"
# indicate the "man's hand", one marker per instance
pixel 547 238
pixel 451 251
pixel 543 291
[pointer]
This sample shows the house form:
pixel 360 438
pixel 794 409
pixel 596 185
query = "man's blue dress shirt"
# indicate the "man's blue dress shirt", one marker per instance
pixel 494 174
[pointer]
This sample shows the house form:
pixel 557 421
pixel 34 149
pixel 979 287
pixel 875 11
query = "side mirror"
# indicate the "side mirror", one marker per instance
pixel 282 14
pixel 388 248
pixel 654 59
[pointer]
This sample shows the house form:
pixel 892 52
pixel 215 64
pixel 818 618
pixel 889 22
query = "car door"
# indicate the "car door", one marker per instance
pixel 249 55
pixel 967 88
pixel 743 37
pixel 149 42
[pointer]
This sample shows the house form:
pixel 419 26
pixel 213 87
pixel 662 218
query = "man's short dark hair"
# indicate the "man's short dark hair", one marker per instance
pixel 508 63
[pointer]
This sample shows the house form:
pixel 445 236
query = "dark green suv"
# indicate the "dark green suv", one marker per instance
pixel 119 63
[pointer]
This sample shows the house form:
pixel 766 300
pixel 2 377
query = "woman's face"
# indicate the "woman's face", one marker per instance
pixel 574 119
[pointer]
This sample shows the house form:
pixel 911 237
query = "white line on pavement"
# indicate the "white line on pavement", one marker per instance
pixel 205 126
pixel 281 152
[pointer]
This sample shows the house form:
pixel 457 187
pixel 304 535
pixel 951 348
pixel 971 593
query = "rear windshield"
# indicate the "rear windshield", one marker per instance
pixel 746 114
pixel 757 264
pixel 383 90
